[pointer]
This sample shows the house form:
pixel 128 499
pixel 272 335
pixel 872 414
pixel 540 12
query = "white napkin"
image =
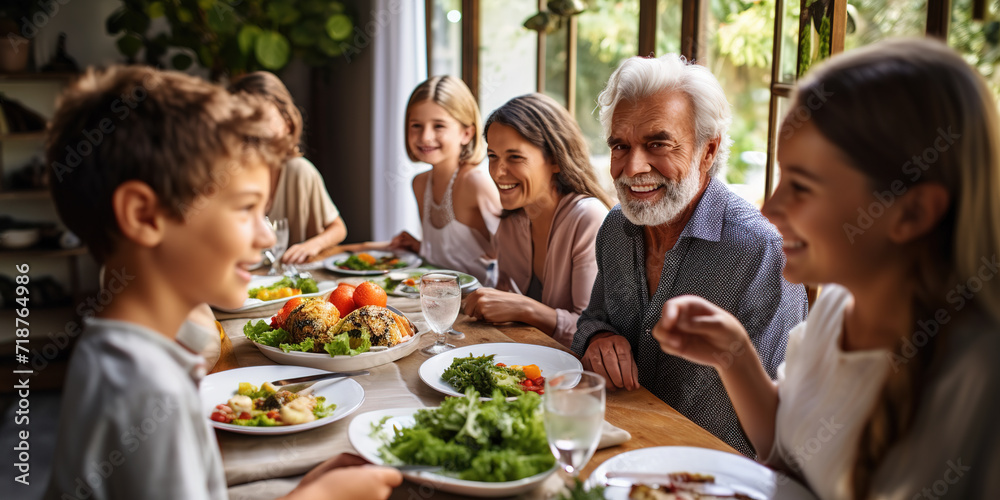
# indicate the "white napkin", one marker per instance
pixel 612 436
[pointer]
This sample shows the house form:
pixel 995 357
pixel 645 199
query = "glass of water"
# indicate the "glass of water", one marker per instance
pixel 280 228
pixel 440 300
pixel 574 414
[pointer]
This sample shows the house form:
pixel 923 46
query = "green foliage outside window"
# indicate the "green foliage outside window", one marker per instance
pixel 977 41
pixel 739 53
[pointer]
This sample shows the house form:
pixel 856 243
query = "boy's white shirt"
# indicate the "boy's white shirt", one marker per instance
pixel 131 424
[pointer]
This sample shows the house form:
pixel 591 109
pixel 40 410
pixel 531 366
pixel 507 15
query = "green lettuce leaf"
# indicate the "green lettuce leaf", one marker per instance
pixel 495 441
pixel 322 409
pixel 307 285
pixel 259 421
pixel 262 333
pixel 282 283
pixel 482 374
pixel 340 345
pixel 306 345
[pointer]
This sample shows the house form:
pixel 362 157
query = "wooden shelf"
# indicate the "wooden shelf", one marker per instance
pixel 24 136
pixel 42 252
pixel 24 194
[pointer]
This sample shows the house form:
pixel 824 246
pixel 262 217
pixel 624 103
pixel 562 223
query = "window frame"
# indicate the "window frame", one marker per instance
pixel 694 15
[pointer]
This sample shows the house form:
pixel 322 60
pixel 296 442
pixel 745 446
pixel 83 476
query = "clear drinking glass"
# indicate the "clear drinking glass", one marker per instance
pixel 280 228
pixel 440 299
pixel 574 414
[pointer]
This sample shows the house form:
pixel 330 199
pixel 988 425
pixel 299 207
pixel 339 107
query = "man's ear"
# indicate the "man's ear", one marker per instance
pixel 138 213
pixel 919 211
pixel 711 150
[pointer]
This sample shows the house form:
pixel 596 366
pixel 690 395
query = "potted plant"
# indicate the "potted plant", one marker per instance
pixel 232 38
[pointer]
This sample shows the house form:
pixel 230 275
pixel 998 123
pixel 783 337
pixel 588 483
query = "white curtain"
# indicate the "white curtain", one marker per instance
pixel 400 64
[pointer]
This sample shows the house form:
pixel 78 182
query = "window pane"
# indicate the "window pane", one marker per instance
pixel 739 36
pixel 555 65
pixel 977 41
pixel 668 26
pixel 871 20
pixel 608 33
pixel 446 27
pixel 508 53
pixel 789 41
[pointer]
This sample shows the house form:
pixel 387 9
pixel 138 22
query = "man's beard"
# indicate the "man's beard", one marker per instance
pixel 676 197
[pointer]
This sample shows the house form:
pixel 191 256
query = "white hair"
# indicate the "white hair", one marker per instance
pixel 640 77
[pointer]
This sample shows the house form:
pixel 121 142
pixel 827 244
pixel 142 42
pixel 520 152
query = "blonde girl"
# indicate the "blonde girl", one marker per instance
pixel 890 195
pixel 458 202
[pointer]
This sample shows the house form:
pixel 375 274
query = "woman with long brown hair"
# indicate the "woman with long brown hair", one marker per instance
pixel 553 207
pixel 890 197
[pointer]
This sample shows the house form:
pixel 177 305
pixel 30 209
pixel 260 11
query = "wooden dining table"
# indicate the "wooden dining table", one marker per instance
pixel 650 421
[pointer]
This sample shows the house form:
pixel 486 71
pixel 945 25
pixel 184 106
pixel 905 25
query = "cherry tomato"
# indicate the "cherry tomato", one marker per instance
pixel 273 414
pixel 501 365
pixel 528 383
pixel 539 381
pixel 245 416
pixel 220 417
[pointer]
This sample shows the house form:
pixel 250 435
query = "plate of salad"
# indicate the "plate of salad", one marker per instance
pixel 271 290
pixel 371 262
pixel 508 367
pixel 310 332
pixel 500 448
pixel 242 400
pixel 405 283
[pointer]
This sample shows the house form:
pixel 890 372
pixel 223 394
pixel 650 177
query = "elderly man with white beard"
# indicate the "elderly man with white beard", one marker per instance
pixel 679 231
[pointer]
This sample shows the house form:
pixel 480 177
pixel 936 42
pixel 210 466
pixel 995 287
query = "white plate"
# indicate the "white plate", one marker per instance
pixel 256 281
pixel 324 361
pixel 467 282
pixel 411 259
pixel 360 434
pixel 551 361
pixel 735 471
pixel 217 388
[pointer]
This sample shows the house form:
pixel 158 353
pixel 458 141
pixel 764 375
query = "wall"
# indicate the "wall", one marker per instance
pixel 87 42
pixel 339 136
pixel 338 120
